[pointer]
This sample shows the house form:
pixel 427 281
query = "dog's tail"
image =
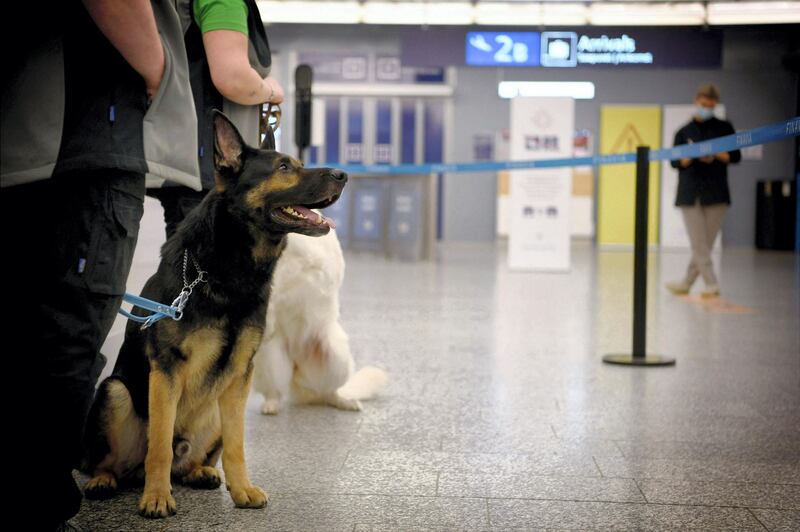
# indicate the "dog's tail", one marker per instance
pixel 364 383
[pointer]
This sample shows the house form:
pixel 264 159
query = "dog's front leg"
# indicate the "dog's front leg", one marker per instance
pixel 232 408
pixel 157 500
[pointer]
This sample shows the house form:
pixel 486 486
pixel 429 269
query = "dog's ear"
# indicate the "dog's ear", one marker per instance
pixel 228 150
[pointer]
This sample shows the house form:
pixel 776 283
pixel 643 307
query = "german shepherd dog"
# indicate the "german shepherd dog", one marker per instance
pixel 176 399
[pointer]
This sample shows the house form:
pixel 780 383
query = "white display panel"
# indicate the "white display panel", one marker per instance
pixel 539 219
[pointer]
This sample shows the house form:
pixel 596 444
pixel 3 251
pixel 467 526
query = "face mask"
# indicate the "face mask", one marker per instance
pixel 703 113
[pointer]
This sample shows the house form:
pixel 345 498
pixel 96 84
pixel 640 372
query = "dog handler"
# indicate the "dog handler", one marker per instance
pixel 92 101
pixel 703 194
pixel 230 61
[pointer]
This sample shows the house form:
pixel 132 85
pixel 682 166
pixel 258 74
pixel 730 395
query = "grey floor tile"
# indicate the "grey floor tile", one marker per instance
pixel 356 482
pixel 319 510
pixel 279 459
pixel 517 442
pixel 782 496
pixel 707 429
pixel 779 520
pixel 546 464
pixel 703 470
pixel 774 451
pixel 496 389
pixel 531 529
pixel 421 483
pixel 197 510
pixel 520 486
pixel 384 528
pixel 400 439
pixel 300 419
pixel 617 516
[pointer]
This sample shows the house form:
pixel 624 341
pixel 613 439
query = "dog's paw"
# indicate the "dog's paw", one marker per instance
pixel 157 503
pixel 103 486
pixel 203 478
pixel 249 497
pixel 270 407
pixel 342 403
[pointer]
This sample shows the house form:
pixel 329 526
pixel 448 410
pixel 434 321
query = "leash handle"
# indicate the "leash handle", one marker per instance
pixel 269 123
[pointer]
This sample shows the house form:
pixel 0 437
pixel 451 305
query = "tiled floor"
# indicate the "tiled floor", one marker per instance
pixel 500 415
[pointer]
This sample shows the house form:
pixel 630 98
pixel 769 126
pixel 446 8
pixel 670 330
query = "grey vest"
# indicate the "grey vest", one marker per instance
pixel 44 130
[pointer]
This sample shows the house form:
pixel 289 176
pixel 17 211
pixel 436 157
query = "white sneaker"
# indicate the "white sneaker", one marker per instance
pixel 710 291
pixel 678 288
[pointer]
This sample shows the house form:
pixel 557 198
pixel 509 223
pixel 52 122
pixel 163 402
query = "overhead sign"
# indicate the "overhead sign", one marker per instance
pixel 590 47
pixel 570 49
pixel 511 48
pixel 355 67
pixel 559 49
pixel 554 49
pixel 336 66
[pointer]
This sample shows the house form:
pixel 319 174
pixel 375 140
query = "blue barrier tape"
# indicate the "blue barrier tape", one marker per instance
pixel 743 139
pixel 760 135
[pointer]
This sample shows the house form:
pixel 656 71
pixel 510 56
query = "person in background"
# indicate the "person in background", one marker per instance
pixel 84 96
pixel 230 61
pixel 703 196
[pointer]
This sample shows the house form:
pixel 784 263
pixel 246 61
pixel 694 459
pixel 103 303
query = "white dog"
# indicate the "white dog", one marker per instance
pixel 305 353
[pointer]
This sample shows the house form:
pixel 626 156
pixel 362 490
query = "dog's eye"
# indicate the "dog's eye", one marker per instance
pixel 283 166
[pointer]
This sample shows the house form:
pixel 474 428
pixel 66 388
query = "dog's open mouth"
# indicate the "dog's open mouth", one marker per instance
pixel 303 216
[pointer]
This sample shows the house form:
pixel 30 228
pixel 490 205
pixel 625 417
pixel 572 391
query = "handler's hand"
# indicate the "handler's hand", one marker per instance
pixel 723 156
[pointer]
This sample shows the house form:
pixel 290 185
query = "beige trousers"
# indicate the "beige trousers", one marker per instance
pixel 703 223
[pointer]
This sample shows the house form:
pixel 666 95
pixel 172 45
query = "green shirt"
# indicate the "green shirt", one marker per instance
pixel 220 15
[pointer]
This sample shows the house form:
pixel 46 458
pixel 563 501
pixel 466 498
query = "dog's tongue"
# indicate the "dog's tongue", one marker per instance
pixel 314 217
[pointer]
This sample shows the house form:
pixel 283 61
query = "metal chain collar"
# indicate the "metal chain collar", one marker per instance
pixel 183 297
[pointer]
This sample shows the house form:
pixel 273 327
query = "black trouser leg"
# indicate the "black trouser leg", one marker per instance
pixel 73 240
pixel 177 202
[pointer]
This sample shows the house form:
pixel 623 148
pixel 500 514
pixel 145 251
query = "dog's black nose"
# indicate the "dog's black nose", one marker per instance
pixel 338 176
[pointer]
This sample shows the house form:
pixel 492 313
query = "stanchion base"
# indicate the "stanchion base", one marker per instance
pixel 647 360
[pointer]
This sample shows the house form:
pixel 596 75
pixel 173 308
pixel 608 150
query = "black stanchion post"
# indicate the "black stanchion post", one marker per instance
pixel 639 357
pixel 640 252
pixel 303 76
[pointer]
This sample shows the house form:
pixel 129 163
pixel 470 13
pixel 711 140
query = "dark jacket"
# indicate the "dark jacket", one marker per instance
pixel 707 182
pixel 71 102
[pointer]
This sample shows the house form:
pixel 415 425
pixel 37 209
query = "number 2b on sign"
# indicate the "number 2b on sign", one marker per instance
pixel 510 51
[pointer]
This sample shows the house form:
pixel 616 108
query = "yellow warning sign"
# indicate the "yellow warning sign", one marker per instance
pixel 622 130
pixel 629 138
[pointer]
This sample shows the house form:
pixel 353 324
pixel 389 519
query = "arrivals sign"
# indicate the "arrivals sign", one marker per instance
pixel 593 47
pixel 570 49
pixel 553 49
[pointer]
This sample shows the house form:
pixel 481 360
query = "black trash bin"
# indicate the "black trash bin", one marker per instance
pixel 776 209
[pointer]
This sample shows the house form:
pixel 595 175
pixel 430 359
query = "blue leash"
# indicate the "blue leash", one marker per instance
pixel 160 310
